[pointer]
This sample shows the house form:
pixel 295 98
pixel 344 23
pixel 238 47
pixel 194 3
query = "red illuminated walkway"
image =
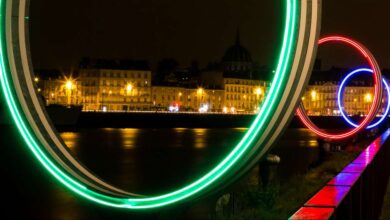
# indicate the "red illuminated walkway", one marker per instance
pixel 357 191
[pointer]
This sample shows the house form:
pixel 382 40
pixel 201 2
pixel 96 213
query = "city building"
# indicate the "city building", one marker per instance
pixel 61 90
pixel 237 61
pixel 244 91
pixel 244 95
pixel 187 99
pixel 321 99
pixel 125 85
pixel 130 90
pixel 115 85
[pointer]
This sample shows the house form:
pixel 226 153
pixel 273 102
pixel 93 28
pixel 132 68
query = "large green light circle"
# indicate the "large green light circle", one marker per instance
pixel 292 73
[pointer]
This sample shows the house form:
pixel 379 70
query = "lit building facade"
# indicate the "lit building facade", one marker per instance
pixel 187 99
pixel 244 95
pixel 131 90
pixel 115 90
pixel 321 99
pixel 60 91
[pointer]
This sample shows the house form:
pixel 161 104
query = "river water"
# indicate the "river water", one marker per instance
pixel 145 161
pixel 151 161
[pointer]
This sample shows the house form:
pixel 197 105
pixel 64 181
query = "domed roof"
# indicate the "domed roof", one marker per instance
pixel 237 53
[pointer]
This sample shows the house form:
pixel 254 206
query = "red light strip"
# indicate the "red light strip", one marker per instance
pixel 377 97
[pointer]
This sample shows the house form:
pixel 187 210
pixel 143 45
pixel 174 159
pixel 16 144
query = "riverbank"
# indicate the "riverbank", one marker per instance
pixel 283 198
pixel 187 120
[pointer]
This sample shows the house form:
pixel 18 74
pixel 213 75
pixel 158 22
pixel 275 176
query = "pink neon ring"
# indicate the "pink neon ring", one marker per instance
pixel 377 97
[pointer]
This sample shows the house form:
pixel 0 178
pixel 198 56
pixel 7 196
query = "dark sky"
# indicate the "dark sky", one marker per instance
pixel 64 31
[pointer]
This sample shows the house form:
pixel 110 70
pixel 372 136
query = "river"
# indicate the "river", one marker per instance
pixel 145 161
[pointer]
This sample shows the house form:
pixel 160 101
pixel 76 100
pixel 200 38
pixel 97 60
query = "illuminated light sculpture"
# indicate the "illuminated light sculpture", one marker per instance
pixel 340 99
pixel 296 58
pixel 377 97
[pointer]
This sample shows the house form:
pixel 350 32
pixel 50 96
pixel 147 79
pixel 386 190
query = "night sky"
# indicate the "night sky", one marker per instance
pixel 62 32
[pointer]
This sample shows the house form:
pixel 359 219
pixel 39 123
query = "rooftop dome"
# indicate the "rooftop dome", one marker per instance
pixel 237 61
pixel 237 53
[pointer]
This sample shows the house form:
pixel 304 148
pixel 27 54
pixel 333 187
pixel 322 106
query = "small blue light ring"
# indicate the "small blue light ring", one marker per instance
pixel 340 98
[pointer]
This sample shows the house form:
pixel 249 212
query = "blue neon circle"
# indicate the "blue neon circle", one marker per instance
pixel 341 107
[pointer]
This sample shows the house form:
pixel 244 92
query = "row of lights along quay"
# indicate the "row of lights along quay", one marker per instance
pixel 124 90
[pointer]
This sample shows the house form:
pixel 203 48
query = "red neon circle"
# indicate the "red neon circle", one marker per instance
pixel 378 92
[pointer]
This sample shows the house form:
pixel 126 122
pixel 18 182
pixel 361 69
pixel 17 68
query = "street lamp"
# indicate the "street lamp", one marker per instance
pixel 200 91
pixel 313 95
pixel 129 88
pixel 259 91
pixel 200 95
pixel 69 85
pixel 368 98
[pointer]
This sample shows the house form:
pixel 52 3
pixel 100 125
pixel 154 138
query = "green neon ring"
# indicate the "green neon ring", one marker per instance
pixel 246 152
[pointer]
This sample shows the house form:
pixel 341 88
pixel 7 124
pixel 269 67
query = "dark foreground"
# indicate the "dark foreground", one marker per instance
pixel 130 158
pixel 155 160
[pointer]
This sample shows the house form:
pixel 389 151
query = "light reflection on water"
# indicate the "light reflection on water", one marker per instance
pixel 241 129
pixel 128 136
pixel 70 138
pixel 200 137
pixel 147 159
pixel 180 130
pixel 308 143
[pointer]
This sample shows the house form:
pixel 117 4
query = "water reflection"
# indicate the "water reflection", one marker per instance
pixel 109 130
pixel 180 130
pixel 200 136
pixel 308 143
pixel 241 129
pixel 70 138
pixel 151 161
pixel 129 136
pixel 157 161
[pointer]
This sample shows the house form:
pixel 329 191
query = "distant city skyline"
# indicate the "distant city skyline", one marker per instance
pixel 64 32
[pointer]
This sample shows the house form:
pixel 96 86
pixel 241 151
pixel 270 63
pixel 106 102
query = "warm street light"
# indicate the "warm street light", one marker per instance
pixel 69 84
pixel 313 95
pixel 36 79
pixel 225 109
pixel 259 91
pixel 200 91
pixel 368 98
pixel 129 87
